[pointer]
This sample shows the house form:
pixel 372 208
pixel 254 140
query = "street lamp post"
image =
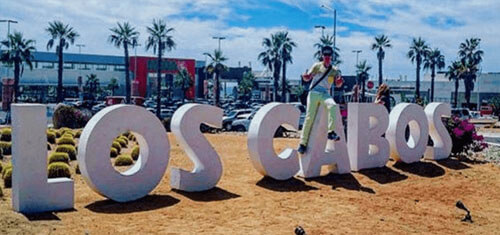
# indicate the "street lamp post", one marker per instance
pixel 322 27
pixel 219 38
pixel 357 55
pixel 334 26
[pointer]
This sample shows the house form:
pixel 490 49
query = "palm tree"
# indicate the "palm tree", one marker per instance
pixel 183 81
pixel 92 85
pixel 113 85
pixel 126 35
pixel 270 57
pixel 380 43
pixel 287 46
pixel 159 40
pixel 418 51
pixel 454 73
pixel 432 61
pixel 246 85
pixel 327 41
pixel 362 71
pixel 218 67
pixel 471 57
pixel 19 53
pixel 66 36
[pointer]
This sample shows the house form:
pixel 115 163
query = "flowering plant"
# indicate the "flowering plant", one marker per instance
pixel 464 136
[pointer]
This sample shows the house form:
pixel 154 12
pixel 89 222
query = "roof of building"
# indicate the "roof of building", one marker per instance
pixel 79 58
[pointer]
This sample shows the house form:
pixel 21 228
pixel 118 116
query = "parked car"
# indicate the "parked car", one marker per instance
pixel 98 107
pixel 227 120
pixel 242 122
pixel 462 113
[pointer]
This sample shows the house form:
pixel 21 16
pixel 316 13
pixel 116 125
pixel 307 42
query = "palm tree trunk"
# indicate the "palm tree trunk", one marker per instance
pixel 363 99
pixel 276 75
pixel 467 91
pixel 217 90
pixel 16 78
pixel 283 80
pixel 380 79
pixel 60 97
pixel 433 75
pixel 158 79
pixel 127 74
pixel 456 92
pixel 417 87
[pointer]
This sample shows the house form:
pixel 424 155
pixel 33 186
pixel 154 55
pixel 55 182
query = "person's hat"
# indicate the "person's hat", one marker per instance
pixel 327 51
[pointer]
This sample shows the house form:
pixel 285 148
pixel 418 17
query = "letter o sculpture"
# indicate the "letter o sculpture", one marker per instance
pixel 94 147
pixel 401 116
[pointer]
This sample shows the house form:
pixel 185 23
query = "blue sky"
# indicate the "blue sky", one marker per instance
pixel 443 24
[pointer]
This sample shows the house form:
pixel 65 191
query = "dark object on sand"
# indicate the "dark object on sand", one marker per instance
pixel 300 231
pixel 467 217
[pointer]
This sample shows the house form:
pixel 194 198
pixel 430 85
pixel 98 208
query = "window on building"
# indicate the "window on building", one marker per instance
pixel 46 65
pixel 68 66
pixel 101 67
pixel 119 68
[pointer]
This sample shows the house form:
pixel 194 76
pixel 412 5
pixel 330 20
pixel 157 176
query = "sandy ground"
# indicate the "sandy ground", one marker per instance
pixel 416 198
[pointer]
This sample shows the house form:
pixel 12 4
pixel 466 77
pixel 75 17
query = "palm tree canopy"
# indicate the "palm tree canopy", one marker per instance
pixel 19 49
pixel 123 34
pixel 455 70
pixel 183 79
pixel 470 54
pixel 216 60
pixel 381 42
pixel 159 37
pixel 65 33
pixel 271 52
pixel 363 67
pixel 287 46
pixel 326 40
pixel 418 49
pixel 434 59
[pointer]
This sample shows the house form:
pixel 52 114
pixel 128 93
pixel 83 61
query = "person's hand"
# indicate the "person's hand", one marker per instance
pixel 306 77
pixel 339 81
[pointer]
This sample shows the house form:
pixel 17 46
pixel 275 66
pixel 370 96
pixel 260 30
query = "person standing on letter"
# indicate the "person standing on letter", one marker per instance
pixel 323 75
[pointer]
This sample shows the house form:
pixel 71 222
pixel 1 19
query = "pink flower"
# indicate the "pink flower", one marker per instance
pixel 477 137
pixel 458 132
pixel 469 127
pixel 484 145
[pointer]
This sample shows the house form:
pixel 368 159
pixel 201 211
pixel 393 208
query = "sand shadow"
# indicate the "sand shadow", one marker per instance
pixel 346 181
pixel 41 216
pixel 290 185
pixel 383 175
pixel 148 203
pixel 453 164
pixel 214 194
pixel 424 169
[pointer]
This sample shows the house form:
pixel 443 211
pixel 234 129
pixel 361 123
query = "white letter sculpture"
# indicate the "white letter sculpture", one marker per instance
pixel 401 116
pixel 95 142
pixel 318 154
pixel 260 141
pixel 32 192
pixel 185 126
pixel 366 125
pixel 437 131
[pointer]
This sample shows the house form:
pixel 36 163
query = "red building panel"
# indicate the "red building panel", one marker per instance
pixel 141 66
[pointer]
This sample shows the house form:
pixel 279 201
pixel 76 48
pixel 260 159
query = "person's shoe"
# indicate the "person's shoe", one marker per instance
pixel 333 136
pixel 302 149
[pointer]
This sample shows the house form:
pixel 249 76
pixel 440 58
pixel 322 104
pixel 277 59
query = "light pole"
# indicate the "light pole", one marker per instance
pixel 8 25
pixel 334 26
pixel 219 38
pixel 322 27
pixel 357 55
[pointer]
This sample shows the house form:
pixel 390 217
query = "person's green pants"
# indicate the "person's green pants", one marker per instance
pixel 314 100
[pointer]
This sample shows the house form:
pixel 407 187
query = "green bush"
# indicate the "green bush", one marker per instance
pixel 124 138
pixel 69 149
pixel 58 169
pixel 123 144
pixel 6 147
pixel 78 133
pixel 124 160
pixel 58 134
pixel 113 152
pixel 66 140
pixel 67 116
pixel 117 146
pixel 6 167
pixel 59 157
pixel 7 178
pixel 131 136
pixel 51 137
pixel 135 153
pixel 6 135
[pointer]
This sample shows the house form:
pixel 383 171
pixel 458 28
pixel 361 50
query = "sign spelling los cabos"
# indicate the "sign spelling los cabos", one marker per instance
pixel 364 148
